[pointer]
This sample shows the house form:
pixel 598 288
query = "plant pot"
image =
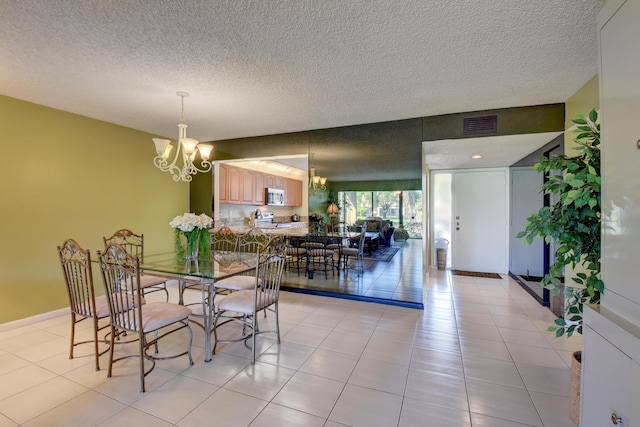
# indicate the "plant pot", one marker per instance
pixel 574 386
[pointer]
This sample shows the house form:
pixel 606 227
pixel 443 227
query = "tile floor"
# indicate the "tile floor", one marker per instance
pixel 477 355
pixel 399 280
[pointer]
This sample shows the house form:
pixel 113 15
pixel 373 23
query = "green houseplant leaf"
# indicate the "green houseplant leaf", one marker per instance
pixel 572 223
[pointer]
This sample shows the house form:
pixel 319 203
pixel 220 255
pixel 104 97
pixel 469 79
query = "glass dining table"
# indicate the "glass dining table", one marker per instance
pixel 200 273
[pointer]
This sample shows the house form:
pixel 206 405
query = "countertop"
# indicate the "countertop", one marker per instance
pixel 300 229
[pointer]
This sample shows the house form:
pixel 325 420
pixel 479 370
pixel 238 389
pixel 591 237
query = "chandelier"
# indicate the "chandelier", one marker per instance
pixel 316 183
pixel 182 166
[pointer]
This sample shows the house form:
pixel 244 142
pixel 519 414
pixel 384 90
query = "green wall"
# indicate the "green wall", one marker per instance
pixel 407 184
pixel 69 176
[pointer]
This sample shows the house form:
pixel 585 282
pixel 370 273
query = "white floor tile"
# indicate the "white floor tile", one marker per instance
pixel 224 408
pixel 479 420
pixel 418 413
pixel 330 364
pixel 492 371
pixel 380 375
pixel 37 400
pixel 88 409
pixel 545 380
pixel 363 407
pixel 310 394
pixel 261 380
pixel 276 415
pixel 437 388
pixel 175 398
pixel 502 402
pixel 554 410
pixel 135 417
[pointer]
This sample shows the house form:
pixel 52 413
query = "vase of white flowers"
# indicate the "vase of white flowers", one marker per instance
pixel 191 234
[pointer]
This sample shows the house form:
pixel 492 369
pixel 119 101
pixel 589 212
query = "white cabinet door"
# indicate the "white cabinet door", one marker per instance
pixel 606 382
pixel 620 103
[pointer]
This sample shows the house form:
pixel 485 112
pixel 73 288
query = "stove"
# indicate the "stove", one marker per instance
pixel 264 218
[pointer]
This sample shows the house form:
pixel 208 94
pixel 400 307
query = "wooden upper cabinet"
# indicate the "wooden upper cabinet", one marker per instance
pixel 234 177
pixel 248 195
pixel 223 183
pixel 246 187
pixel 292 191
pixel 259 184
pixel 278 182
pixel 268 180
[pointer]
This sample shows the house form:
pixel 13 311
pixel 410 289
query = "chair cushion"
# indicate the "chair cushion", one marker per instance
pixel 312 245
pixel 147 280
pixel 102 307
pixel 350 251
pixel 296 251
pixel 242 302
pixel 236 283
pixel 320 252
pixel 157 315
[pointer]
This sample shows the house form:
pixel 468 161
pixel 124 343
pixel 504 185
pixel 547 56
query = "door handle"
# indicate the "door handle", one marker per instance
pixel 615 419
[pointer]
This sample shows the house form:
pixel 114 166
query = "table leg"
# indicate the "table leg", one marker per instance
pixel 207 310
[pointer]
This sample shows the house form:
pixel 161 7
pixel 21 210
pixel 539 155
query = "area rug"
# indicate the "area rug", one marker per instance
pixel 382 254
pixel 475 274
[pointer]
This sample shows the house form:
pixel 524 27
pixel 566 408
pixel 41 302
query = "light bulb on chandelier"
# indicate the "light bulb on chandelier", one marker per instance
pixel 187 150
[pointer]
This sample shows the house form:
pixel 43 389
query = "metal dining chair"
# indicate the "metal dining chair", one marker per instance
pixel 356 252
pixel 319 256
pixel 243 306
pixel 253 241
pixel 120 274
pixel 134 245
pixel 83 303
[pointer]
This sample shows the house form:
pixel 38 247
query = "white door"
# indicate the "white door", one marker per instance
pixel 479 237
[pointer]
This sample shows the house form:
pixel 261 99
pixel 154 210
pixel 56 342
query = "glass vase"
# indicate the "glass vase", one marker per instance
pixel 193 243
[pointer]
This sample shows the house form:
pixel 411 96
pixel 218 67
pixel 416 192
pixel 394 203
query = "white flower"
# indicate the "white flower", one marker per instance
pixel 189 221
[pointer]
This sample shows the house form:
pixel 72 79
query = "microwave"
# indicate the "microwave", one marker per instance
pixel 275 197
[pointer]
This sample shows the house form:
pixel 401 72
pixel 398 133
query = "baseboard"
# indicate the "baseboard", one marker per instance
pixel 33 319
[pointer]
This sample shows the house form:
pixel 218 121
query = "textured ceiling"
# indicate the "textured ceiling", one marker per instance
pixel 269 67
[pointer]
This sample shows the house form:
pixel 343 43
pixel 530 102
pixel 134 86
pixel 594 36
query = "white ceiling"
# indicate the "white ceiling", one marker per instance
pixel 496 151
pixel 268 67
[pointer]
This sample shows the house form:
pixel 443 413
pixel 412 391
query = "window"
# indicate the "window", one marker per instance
pixel 400 207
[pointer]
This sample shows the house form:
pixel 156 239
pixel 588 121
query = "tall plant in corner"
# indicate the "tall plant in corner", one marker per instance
pixel 572 223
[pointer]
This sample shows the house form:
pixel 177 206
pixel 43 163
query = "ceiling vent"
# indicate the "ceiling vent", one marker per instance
pixel 480 125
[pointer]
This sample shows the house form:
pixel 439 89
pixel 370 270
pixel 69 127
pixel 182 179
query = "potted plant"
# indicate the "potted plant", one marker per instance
pixel 573 224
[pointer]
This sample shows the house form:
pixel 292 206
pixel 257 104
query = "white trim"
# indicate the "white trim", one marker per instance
pixel 33 319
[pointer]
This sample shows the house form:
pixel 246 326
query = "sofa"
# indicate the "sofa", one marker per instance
pixel 383 226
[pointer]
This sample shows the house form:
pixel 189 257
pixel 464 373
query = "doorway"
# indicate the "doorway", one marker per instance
pixel 471 208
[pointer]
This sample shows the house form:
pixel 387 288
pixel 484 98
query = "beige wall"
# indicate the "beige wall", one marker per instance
pixel 68 176
pixel 583 101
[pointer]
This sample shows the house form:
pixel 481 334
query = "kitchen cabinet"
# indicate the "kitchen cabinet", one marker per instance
pixel 273 181
pixel 606 384
pixel 292 192
pixel 234 180
pixel 223 183
pixel 611 340
pixel 259 185
pixel 247 187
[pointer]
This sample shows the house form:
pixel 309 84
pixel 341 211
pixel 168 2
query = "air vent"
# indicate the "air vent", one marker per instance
pixel 480 125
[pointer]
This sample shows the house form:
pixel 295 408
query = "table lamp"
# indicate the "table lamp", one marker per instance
pixel 332 210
